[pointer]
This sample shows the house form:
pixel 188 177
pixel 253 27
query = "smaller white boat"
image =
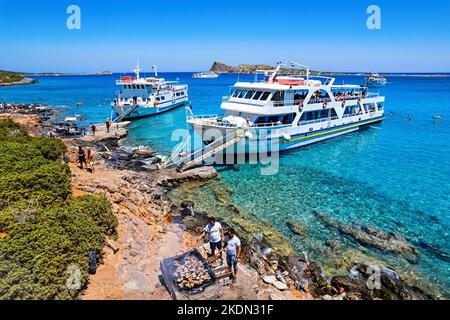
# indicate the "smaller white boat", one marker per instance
pixel 374 80
pixel 205 75
pixel 142 97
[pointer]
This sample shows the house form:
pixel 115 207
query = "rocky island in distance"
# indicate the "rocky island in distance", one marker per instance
pixel 8 78
pixel 219 67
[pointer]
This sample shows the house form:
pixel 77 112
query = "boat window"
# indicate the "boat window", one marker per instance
pixel 249 94
pixel 265 96
pixel 300 95
pixel 274 119
pixel 380 106
pixel 353 110
pixel 257 95
pixel 261 120
pixel 236 93
pixel 288 118
pixel 242 93
pixel 370 107
pixel 319 96
pixel 302 118
pixel 278 96
pixel 157 98
pixel 318 115
pixel 163 98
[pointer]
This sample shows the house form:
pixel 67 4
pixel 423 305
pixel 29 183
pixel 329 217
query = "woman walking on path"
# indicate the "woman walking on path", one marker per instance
pixel 91 160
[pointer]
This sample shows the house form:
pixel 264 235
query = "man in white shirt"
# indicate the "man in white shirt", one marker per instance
pixel 233 246
pixel 215 231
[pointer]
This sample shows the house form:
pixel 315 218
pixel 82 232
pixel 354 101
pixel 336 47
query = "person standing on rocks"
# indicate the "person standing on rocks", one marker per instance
pixel 108 125
pixel 233 246
pixel 215 231
pixel 81 157
pixel 91 160
pixel 93 129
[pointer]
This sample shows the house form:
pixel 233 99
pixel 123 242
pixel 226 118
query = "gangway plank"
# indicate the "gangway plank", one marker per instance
pixel 210 153
pixel 126 113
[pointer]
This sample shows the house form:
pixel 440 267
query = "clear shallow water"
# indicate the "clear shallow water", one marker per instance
pixel 395 177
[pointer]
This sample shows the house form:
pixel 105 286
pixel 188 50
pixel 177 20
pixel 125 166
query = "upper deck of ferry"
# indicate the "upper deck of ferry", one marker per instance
pixel 288 92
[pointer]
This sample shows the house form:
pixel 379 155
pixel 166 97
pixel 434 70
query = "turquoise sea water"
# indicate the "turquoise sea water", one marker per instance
pixel 395 177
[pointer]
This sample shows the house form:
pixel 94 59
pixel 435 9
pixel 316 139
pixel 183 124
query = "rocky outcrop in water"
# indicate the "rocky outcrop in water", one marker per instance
pixel 369 282
pixel 435 251
pixel 297 228
pixel 371 237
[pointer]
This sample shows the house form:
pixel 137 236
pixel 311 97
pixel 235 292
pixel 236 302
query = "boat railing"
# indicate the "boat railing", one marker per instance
pixel 301 123
pixel 252 102
pixel 358 96
pixel 352 114
pixel 269 125
pixel 214 120
pixel 319 100
pixel 287 103
pixel 205 116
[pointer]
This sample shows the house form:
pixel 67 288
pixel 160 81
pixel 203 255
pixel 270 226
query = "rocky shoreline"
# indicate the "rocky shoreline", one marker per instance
pixel 21 82
pixel 153 224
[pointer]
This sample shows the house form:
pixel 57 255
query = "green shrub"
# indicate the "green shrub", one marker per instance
pixel 46 245
pixel 8 77
pixel 44 230
pixel 26 174
pixel 50 148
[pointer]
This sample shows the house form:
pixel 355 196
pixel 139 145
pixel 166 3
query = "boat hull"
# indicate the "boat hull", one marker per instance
pixel 260 143
pixel 143 112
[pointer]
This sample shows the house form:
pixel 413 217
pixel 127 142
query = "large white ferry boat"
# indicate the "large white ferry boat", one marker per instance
pixel 142 97
pixel 205 75
pixel 289 111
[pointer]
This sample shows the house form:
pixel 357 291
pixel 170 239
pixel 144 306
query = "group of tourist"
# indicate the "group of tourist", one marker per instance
pixel 345 95
pixel 86 159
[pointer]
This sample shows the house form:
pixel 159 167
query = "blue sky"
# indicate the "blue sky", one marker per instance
pixel 189 35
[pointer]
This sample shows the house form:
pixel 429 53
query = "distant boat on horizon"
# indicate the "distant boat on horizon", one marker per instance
pixel 374 80
pixel 205 75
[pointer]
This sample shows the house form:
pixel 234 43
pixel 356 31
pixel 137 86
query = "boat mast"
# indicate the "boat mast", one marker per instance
pixel 295 64
pixel 137 71
pixel 275 72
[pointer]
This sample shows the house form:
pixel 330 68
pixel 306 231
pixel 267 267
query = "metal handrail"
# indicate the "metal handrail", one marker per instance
pixel 317 121
pixel 287 103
